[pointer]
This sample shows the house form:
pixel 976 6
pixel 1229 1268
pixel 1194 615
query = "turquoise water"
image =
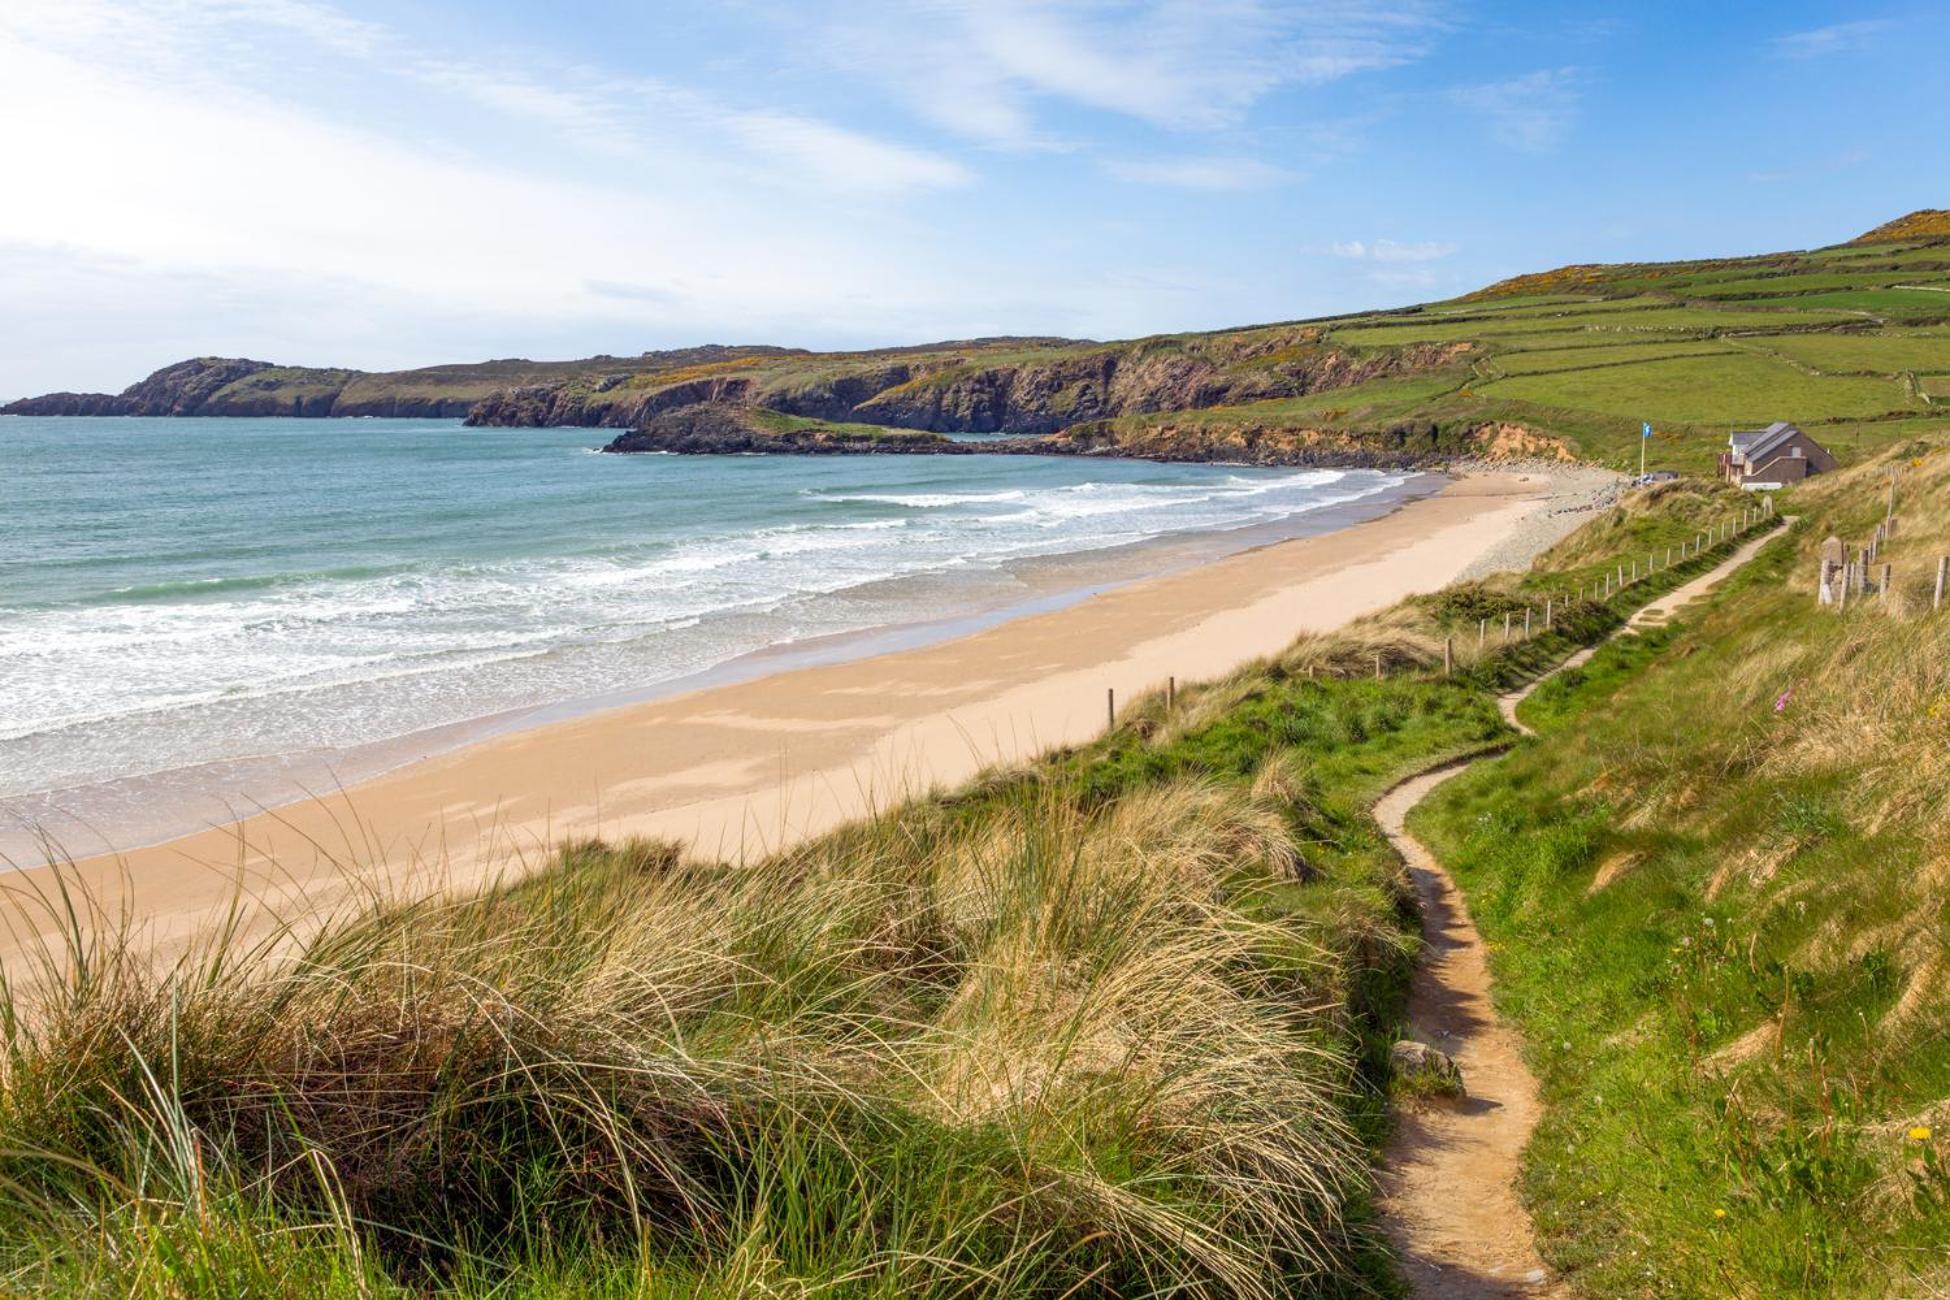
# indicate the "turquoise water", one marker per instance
pixel 181 593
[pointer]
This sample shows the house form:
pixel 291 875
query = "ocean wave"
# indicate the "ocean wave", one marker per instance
pixel 330 653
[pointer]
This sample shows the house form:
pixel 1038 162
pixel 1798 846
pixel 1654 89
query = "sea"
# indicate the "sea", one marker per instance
pixel 202 617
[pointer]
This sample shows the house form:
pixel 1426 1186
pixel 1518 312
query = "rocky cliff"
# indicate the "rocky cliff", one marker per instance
pixel 182 389
pixel 1033 391
pixel 717 428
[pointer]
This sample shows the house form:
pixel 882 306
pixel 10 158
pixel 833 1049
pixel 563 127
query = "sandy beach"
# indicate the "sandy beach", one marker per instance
pixel 740 769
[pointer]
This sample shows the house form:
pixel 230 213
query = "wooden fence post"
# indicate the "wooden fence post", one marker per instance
pixel 1110 706
pixel 1942 573
pixel 1171 695
pixel 1547 613
pixel 1506 627
pixel 1526 620
pixel 1482 630
pixel 1448 656
pixel 1882 592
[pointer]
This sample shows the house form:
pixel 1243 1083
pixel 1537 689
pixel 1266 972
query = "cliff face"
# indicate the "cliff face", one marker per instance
pixel 1038 394
pixel 547 405
pixel 1140 378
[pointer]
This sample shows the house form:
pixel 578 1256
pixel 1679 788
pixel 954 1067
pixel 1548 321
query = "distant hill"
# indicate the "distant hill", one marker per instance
pixel 1925 223
pixel 1851 341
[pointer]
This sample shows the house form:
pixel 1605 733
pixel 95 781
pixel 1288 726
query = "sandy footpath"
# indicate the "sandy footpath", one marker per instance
pixel 738 769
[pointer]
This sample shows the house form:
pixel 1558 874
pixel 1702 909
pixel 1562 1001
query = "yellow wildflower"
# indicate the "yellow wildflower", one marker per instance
pixel 1921 1133
pixel 1719 1213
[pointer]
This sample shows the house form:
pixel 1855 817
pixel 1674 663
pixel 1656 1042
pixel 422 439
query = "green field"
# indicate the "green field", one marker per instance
pixel 1882 354
pixel 1537 361
pixel 1737 391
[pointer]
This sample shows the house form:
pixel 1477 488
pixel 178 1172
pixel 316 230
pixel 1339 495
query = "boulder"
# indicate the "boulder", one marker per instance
pixel 1426 1070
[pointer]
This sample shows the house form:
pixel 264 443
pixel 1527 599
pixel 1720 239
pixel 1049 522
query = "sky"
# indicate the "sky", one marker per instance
pixel 385 185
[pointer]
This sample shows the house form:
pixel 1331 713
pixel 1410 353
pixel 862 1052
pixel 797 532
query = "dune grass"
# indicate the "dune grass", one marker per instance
pixel 1078 1027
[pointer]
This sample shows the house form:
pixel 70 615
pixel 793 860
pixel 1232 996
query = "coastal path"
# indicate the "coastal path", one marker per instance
pixel 1449 1199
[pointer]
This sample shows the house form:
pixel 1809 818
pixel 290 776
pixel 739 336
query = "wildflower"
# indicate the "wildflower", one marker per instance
pixel 1719 1213
pixel 1781 702
pixel 1921 1133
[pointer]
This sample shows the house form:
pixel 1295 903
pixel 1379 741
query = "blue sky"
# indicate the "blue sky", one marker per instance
pixel 393 184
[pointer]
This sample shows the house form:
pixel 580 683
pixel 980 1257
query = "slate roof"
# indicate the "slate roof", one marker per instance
pixel 1751 444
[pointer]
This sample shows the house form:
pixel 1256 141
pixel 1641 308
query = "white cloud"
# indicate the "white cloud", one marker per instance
pixel 979 67
pixel 1217 174
pixel 1837 38
pixel 1533 112
pixel 832 155
pixel 216 47
pixel 1387 250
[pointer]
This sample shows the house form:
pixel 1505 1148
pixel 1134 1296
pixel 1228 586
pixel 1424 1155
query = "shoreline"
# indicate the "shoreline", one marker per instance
pixel 142 809
pixel 740 769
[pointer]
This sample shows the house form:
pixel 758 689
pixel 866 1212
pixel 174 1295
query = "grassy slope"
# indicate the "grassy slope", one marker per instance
pixel 1116 1021
pixel 1721 923
pixel 1834 339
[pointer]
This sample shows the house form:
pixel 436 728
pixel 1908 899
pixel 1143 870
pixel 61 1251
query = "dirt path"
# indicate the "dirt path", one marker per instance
pixel 1449 1195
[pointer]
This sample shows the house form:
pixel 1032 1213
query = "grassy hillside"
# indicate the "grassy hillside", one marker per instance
pixel 1852 343
pixel 1716 892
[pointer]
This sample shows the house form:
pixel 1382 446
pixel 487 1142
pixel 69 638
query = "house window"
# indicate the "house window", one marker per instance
pixel 1796 453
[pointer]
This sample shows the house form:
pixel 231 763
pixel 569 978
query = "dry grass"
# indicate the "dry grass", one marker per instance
pixel 1067 1041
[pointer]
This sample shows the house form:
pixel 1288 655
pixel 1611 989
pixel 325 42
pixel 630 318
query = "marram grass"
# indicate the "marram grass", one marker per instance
pixel 1025 1047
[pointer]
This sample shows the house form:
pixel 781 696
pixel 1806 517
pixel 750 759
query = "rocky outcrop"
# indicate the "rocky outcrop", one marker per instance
pixel 550 405
pixel 182 389
pixel 718 428
pixel 71 404
pixel 187 387
pixel 1248 442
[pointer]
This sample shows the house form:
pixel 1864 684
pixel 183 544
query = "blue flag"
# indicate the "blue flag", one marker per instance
pixel 1645 430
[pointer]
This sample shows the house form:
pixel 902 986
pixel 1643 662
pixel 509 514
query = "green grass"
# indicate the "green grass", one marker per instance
pixel 1738 391
pixel 1882 354
pixel 1543 361
pixel 1717 923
